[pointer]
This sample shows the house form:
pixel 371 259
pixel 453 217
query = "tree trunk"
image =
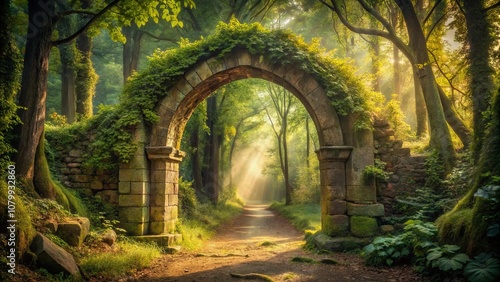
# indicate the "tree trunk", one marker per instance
pixel 68 96
pixel 286 169
pixel 453 120
pixel 467 223
pixel 33 88
pixel 69 59
pixel 212 172
pixel 196 159
pixel 131 51
pixel 86 75
pixel 481 83
pixel 420 107
pixel 440 137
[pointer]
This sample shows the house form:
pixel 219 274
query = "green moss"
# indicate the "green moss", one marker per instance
pixel 363 226
pixel 469 219
pixel 75 204
pixel 24 227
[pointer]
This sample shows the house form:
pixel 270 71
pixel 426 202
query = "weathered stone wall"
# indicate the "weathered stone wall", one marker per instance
pixel 407 171
pixel 99 183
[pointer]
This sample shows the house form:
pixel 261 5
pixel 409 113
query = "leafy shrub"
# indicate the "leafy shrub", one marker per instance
pixel 434 171
pixel 188 203
pixel 483 268
pixel 416 239
pixel 427 204
pixel 386 251
pixel 396 119
pixel 376 172
pixel 446 259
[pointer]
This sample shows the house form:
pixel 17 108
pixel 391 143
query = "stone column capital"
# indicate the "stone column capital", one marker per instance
pixel 334 153
pixel 165 153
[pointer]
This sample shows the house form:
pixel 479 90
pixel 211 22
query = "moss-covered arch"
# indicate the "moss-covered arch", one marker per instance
pixel 164 96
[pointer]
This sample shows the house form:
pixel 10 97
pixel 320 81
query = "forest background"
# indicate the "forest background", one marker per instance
pixel 432 67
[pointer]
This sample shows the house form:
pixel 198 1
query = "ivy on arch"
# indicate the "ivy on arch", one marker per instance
pixel 113 126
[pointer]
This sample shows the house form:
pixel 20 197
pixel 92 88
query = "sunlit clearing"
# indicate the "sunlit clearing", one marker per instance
pixel 252 185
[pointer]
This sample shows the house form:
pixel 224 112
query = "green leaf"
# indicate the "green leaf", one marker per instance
pixel 493 230
pixel 434 255
pixel 484 268
pixel 463 258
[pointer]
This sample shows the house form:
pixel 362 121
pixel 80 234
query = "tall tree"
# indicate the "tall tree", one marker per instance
pixel 281 101
pixel 10 62
pixel 42 19
pixel 481 86
pixel 416 52
pixel 86 77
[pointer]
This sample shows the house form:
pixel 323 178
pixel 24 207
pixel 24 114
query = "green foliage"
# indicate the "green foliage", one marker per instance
pixel 376 172
pixel 307 190
pixel 396 119
pixel 188 203
pixel 76 205
pixel 10 71
pixel 386 251
pixel 131 257
pixel 202 224
pixel 145 89
pixel 447 260
pixel 427 204
pixel 491 194
pixel 85 85
pixel 306 217
pixel 416 239
pixel 483 268
pixel 434 171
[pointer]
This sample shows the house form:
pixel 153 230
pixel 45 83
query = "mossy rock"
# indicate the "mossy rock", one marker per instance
pixel 363 226
pixel 337 244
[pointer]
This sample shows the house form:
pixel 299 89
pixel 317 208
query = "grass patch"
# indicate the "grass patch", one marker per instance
pixel 202 224
pixel 131 256
pixel 305 217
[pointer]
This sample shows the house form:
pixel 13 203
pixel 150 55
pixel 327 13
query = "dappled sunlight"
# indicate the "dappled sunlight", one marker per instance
pixel 248 166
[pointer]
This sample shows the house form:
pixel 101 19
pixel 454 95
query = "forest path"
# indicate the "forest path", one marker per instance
pixel 261 241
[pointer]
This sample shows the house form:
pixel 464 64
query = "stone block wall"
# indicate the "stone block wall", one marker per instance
pixel 407 171
pixel 99 183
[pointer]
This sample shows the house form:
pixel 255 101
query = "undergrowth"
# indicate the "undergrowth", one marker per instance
pixel 200 220
pixel 131 256
pixel 305 217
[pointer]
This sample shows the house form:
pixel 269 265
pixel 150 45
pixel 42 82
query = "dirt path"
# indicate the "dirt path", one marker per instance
pixel 260 241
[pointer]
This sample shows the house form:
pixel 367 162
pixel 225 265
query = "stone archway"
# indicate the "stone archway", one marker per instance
pixel 148 187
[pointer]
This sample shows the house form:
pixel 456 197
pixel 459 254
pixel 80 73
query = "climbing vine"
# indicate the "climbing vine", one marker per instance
pixel 145 89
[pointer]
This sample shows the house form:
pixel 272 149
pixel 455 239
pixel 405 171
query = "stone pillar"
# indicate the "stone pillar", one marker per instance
pixel 332 165
pixel 133 189
pixel 164 203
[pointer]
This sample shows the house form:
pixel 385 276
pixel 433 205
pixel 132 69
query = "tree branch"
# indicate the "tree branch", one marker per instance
pixel 450 82
pixel 87 25
pixel 434 26
pixel 431 11
pixel 496 5
pixel 391 37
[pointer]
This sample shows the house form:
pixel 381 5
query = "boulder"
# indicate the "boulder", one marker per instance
pixel 74 230
pixel 108 236
pixel 52 257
